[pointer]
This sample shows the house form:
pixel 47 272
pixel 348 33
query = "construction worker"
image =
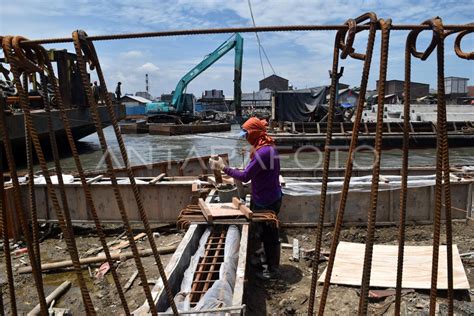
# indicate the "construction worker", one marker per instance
pixel 96 92
pixel 118 91
pixel 264 171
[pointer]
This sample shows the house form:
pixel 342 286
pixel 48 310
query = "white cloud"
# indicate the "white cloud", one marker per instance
pixel 302 57
pixel 149 67
pixel 132 54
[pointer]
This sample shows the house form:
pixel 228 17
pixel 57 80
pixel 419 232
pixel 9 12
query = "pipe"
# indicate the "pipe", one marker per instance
pixel 60 290
pixel 97 259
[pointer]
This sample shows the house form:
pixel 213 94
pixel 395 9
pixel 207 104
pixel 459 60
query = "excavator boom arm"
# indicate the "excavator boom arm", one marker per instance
pixel 235 42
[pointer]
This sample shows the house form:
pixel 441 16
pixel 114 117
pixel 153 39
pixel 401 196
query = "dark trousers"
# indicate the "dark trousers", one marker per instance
pixel 270 235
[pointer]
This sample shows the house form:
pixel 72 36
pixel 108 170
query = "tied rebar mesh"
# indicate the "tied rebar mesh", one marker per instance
pixel 29 58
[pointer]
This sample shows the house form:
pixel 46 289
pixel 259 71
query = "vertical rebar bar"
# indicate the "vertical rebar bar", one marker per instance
pixel 372 212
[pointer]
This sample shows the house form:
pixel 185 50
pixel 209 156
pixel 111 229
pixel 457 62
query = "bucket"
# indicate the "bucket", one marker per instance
pixel 226 192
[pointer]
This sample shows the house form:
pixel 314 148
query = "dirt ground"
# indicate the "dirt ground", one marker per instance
pixel 289 295
pixel 103 292
pixel 285 296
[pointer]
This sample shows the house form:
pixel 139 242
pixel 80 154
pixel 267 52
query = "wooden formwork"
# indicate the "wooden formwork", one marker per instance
pixel 303 210
pixel 163 200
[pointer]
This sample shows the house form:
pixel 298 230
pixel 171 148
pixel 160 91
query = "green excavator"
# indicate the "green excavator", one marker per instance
pixel 180 108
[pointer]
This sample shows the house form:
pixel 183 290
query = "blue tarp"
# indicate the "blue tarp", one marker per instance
pixel 135 110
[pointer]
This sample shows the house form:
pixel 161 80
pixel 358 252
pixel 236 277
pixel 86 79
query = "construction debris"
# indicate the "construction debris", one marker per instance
pixel 129 283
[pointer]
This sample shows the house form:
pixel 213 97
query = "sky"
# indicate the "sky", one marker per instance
pixel 303 58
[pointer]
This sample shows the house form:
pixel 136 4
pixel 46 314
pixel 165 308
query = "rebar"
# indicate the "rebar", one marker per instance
pixel 15 58
pixel 228 30
pixel 350 160
pixel 82 58
pixel 326 162
pixel 28 58
pixel 88 195
pixel 404 172
pixel 3 212
pixel 90 53
pixel 372 213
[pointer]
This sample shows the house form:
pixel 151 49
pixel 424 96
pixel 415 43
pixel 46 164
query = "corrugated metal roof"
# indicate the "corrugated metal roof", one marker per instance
pixel 138 99
pixel 264 94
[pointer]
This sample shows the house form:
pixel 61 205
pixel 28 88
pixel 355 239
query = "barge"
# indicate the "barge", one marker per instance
pixel 422 135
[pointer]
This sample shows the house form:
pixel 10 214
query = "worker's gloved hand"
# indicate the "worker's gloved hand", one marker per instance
pixel 216 163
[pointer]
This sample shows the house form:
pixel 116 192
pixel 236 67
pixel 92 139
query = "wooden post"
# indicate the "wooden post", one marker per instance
pixel 218 176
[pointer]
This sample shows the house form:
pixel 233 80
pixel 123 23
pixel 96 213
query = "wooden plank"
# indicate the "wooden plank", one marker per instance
pixel 242 208
pixel 236 201
pixel 126 243
pixel 157 178
pixel 224 210
pixel 205 210
pixel 130 281
pixel 416 267
pixel 246 211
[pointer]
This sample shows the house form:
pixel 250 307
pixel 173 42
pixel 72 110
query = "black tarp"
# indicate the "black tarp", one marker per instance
pixel 300 105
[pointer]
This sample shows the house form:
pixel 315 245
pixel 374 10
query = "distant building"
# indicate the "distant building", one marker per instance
pixel 144 94
pixel 470 91
pixel 134 105
pixel 455 87
pixel 388 99
pixel 132 100
pixel 213 95
pixel 257 99
pixel 274 83
pixel 212 100
pixel 417 89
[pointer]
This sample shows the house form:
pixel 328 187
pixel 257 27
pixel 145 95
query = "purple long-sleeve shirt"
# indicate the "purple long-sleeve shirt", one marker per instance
pixel 264 171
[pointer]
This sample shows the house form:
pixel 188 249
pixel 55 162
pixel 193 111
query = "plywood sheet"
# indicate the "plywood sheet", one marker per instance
pixel 224 210
pixel 348 266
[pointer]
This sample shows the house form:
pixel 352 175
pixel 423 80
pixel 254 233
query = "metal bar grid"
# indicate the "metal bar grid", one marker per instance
pixel 209 264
